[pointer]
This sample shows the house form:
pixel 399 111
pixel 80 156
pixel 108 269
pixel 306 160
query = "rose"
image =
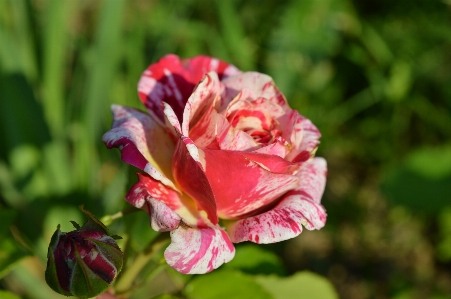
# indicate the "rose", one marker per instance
pixel 218 144
pixel 83 262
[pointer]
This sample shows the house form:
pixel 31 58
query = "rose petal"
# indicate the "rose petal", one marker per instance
pixel 202 100
pixel 272 163
pixel 297 207
pixel 143 143
pixel 253 85
pixel 172 80
pixel 304 139
pixel 198 250
pixel 214 131
pixel 188 167
pixel 188 172
pixel 278 148
pixel 158 201
pixel 206 127
pixel 241 186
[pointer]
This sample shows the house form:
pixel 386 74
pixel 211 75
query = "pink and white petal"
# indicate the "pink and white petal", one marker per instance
pixel 172 80
pixel 231 139
pixel 257 86
pixel 159 201
pixel 281 223
pixel 304 139
pixel 265 109
pixel 277 148
pixel 148 187
pixel 188 166
pixel 170 117
pixel 299 207
pixel 143 143
pixel 313 179
pixel 214 131
pixel 162 218
pixel 165 206
pixel 241 186
pixel 198 250
pixel 202 100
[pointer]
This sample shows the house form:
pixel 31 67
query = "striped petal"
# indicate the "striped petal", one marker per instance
pixel 214 131
pixel 203 99
pixel 159 201
pixel 304 139
pixel 299 207
pixel 278 148
pixel 240 185
pixel 198 250
pixel 188 166
pixel 143 143
pixel 251 86
pixel 172 80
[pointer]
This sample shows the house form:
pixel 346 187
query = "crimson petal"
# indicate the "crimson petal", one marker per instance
pixel 172 80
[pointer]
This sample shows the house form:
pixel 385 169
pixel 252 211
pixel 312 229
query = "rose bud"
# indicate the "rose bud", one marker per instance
pixel 83 262
pixel 225 159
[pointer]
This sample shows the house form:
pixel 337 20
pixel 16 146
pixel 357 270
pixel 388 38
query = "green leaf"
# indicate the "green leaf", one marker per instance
pixel 300 285
pixel 225 284
pixel 253 259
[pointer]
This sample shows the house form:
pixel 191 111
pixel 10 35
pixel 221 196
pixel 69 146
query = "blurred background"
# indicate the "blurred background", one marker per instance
pixel 374 76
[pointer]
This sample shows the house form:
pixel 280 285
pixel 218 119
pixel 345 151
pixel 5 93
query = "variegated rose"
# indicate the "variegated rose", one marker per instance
pixel 225 160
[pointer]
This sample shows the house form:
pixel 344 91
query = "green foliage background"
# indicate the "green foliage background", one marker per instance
pixel 374 76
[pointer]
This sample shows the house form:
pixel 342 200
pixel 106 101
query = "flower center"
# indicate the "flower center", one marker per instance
pixel 257 124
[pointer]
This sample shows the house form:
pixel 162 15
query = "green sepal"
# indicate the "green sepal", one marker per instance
pixel 75 224
pixel 93 222
pixel 116 237
pixel 85 283
pixel 110 253
pixel 51 277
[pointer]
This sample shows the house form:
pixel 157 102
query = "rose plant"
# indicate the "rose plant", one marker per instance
pixel 225 160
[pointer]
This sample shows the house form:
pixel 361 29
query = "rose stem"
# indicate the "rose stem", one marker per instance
pixel 108 219
pixel 126 279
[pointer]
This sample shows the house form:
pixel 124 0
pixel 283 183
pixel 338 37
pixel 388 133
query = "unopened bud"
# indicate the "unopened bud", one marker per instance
pixel 83 262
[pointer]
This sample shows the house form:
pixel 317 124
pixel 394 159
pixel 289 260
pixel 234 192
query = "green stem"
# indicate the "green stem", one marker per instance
pixel 108 219
pixel 127 278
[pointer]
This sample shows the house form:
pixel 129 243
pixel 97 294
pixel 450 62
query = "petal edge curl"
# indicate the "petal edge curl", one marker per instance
pixel 135 134
pixel 198 250
pixel 297 208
